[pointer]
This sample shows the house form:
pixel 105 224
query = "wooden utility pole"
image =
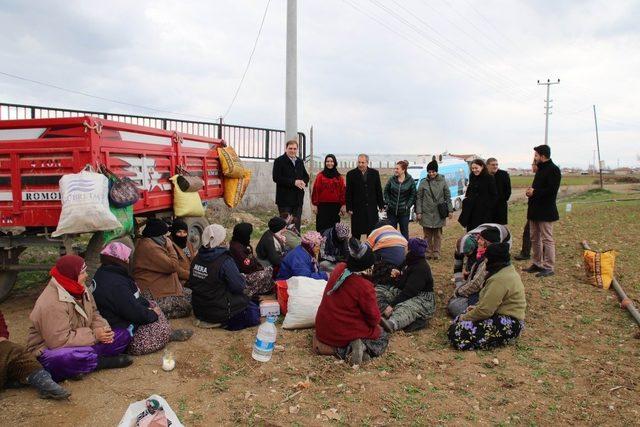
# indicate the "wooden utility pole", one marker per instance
pixel 595 119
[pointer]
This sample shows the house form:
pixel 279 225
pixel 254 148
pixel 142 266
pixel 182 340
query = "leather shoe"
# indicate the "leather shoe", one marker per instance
pixel 522 257
pixel 545 273
pixel 532 269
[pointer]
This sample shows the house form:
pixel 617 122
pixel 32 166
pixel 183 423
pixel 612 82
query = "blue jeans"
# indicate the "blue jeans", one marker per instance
pixel 403 220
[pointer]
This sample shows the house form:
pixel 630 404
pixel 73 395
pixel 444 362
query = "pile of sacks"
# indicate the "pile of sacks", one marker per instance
pixel 237 177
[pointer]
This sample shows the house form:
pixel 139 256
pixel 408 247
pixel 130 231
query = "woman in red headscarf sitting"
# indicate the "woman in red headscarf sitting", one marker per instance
pixel 67 333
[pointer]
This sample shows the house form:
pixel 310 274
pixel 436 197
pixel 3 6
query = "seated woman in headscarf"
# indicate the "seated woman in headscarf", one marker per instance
pixel 498 317
pixel 271 248
pixel 303 260
pixel 259 279
pixel 155 270
pixel 67 334
pixel 466 249
pixel 388 244
pixel 183 247
pixel 18 368
pixel 120 303
pixel 410 302
pixel 219 298
pixel 348 319
pixel 468 286
pixel 335 247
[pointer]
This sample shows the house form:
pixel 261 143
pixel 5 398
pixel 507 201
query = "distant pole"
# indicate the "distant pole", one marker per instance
pixel 595 119
pixel 291 104
pixel 547 109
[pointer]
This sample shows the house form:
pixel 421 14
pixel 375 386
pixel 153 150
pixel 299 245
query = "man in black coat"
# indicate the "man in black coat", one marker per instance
pixel 363 197
pixel 503 185
pixel 291 179
pixel 542 212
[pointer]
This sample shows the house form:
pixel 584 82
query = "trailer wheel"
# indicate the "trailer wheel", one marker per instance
pixel 92 254
pixel 196 227
pixel 8 278
pixel 457 205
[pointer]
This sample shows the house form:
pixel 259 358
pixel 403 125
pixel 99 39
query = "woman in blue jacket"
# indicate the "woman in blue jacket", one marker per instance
pixel 303 260
pixel 120 303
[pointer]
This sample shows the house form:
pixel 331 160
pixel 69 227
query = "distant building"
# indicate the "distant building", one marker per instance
pixel 623 171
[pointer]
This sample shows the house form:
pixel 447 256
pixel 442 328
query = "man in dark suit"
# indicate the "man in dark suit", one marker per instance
pixel 291 179
pixel 363 197
pixel 542 212
pixel 503 185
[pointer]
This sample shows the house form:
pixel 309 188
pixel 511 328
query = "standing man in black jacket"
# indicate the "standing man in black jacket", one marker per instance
pixel 291 179
pixel 363 197
pixel 503 185
pixel 542 212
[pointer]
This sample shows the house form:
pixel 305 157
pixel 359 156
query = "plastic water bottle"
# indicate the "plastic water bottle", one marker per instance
pixel 265 340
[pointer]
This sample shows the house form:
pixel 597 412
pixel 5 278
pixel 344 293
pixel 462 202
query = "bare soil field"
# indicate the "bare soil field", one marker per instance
pixel 575 363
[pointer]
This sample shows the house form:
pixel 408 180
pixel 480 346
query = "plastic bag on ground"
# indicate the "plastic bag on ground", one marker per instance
pixel 305 295
pixel 599 267
pixel 85 204
pixel 185 204
pixel 138 415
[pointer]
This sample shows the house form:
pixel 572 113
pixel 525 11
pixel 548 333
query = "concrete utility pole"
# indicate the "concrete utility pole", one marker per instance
pixel 547 109
pixel 595 119
pixel 291 103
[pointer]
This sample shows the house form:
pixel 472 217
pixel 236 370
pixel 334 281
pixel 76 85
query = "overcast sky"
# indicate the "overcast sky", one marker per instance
pixel 381 76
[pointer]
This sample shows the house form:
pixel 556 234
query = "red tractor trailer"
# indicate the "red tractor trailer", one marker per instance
pixel 36 153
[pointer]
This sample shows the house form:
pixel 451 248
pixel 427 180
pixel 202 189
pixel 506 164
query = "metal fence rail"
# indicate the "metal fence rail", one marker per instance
pixel 249 142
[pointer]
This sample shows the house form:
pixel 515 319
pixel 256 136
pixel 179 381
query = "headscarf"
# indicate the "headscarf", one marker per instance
pixel 155 228
pixel 497 257
pixel 491 234
pixel 179 225
pixel 418 246
pixel 66 272
pixel 213 236
pixel 118 251
pixel 276 224
pixel 360 258
pixel 330 173
pixel 342 231
pixel 242 233
pixel 311 239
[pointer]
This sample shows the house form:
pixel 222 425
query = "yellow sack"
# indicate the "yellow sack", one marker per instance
pixel 234 189
pixel 185 204
pixel 231 163
pixel 599 267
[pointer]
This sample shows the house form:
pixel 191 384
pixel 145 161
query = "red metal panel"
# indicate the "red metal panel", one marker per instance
pixel 31 168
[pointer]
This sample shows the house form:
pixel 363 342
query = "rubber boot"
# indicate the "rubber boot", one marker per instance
pixel 114 362
pixel 357 352
pixel 180 334
pixel 47 387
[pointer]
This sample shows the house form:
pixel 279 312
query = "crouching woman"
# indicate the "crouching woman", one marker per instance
pixel 498 318
pixel 348 319
pixel 68 335
pixel 219 298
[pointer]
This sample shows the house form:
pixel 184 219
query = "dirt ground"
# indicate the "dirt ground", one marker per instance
pixel 576 362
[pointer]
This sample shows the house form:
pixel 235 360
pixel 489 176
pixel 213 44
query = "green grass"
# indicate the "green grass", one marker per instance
pixel 525 180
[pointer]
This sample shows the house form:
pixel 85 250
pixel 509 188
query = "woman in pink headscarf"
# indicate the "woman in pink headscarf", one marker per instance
pixel 120 303
pixel 303 260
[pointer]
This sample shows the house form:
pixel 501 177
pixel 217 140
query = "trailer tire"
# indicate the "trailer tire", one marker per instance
pixel 9 278
pixel 196 227
pixel 457 205
pixel 92 254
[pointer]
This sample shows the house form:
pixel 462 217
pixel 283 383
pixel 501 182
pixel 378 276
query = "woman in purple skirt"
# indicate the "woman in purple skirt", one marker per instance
pixel 67 334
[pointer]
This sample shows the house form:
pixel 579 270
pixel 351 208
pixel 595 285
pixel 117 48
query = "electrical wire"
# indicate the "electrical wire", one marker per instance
pixel 102 98
pixel 246 69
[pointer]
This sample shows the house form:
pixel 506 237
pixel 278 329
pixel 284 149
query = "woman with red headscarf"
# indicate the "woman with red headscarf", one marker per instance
pixel 67 334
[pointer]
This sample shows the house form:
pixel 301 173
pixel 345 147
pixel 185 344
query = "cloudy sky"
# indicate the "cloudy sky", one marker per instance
pixel 381 76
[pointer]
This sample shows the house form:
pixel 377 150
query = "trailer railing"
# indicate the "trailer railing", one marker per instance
pixel 248 141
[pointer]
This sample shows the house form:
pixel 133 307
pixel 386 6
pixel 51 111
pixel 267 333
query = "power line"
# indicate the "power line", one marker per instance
pixel 115 101
pixel 246 69
pixel 421 46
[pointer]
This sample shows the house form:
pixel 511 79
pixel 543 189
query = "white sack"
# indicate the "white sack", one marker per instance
pixel 305 295
pixel 137 408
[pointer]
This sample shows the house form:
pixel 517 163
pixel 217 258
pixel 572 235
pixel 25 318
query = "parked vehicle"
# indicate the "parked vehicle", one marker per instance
pixel 35 154
pixel 456 172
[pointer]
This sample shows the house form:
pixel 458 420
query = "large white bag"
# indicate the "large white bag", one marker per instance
pixel 85 204
pixel 305 295
pixel 136 409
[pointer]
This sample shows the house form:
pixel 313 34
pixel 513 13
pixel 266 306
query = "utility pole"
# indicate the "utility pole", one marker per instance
pixel 595 119
pixel 313 159
pixel 291 103
pixel 547 109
